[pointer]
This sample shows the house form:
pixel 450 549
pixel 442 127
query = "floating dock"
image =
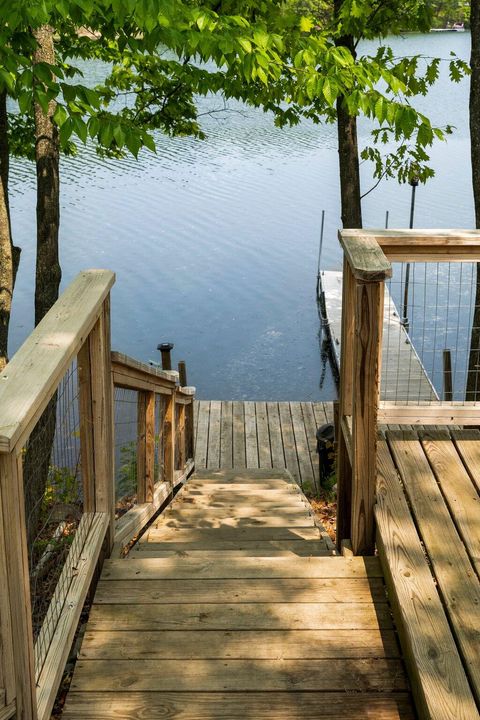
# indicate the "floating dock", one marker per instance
pixel 404 377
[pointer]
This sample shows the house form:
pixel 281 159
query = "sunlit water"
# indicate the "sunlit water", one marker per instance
pixel 215 243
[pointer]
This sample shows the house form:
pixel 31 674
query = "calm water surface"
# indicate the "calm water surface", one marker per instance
pixel 215 242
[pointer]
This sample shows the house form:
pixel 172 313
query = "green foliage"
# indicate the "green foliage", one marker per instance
pixel 61 489
pixel 126 481
pixel 163 54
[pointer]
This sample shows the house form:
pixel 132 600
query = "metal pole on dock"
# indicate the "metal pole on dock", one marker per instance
pixel 322 228
pixel 414 183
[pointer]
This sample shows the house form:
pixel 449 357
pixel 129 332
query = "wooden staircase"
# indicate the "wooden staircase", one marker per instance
pixel 232 605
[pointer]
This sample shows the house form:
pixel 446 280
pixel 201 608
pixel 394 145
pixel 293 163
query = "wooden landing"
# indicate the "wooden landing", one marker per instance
pixel 404 377
pixel 428 536
pixel 222 635
pixel 261 435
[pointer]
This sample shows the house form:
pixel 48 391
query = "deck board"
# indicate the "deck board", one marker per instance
pixel 427 525
pixel 263 435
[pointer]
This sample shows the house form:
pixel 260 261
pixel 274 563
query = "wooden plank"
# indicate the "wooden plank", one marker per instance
pixel 271 548
pixel 307 478
pixel 366 387
pixel 263 434
pixel 238 675
pixel 148 592
pixel 456 578
pixel 468 446
pixel 146 447
pixel 17 584
pixel 162 533
pixel 180 430
pixel 288 501
pixel 435 670
pixel 320 413
pixel 151 373
pixel 213 452
pixel 458 490
pixel 201 448
pixel 329 413
pixel 85 410
pixel 242 568
pixel 311 435
pixel 168 435
pixel 276 441
pixel 365 256
pixel 265 488
pixel 251 443
pixel 239 474
pixel 226 435
pixel 344 466
pixel 180 512
pixel 288 438
pixel 177 521
pixel 273 644
pixel 254 706
pixel 239 452
pixel 423 245
pixel 102 419
pixel 36 369
pixel 433 414
pixel 85 565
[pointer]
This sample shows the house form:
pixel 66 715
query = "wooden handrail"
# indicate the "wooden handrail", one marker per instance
pixel 130 373
pixel 403 245
pixel 365 256
pixel 32 375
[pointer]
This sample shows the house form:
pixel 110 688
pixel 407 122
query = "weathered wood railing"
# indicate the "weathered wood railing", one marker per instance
pixel 368 255
pixel 176 449
pixel 75 333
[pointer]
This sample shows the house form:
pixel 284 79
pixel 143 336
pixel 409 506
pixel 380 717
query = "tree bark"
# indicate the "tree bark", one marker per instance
pixel 473 379
pixel 37 459
pixel 9 253
pixel 348 150
pixel 48 273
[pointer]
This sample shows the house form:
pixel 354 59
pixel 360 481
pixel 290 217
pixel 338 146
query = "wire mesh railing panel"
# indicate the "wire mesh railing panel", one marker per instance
pixel 126 443
pixel 53 508
pixel 160 410
pixel 431 343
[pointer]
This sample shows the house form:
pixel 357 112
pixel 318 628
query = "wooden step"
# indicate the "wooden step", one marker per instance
pixel 234 706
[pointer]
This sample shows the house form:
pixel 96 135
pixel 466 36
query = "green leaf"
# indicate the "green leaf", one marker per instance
pixel 245 44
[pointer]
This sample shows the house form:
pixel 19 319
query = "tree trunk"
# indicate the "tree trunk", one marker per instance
pixel 473 380
pixel 348 150
pixel 48 273
pixel 37 459
pixel 9 254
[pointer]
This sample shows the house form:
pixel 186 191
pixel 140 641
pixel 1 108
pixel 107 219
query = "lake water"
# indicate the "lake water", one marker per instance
pixel 215 243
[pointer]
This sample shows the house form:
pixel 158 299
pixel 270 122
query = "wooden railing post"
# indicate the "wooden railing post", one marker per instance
pixel 344 468
pixel 169 440
pixel 181 460
pixel 145 446
pixel 96 421
pixel 16 585
pixel 366 389
pixel 365 270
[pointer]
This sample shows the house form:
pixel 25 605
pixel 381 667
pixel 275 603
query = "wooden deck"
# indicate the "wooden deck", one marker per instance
pixel 231 608
pixel 428 536
pixel 261 435
pixel 404 377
